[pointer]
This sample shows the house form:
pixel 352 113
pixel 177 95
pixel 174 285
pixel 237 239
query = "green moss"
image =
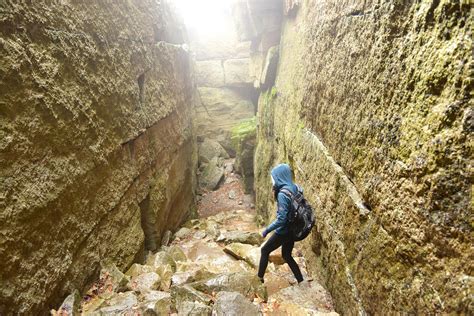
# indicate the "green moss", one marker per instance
pixel 243 130
pixel 273 93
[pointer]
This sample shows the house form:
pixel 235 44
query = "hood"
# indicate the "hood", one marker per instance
pixel 281 174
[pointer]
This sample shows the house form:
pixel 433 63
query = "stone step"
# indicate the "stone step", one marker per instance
pixel 203 271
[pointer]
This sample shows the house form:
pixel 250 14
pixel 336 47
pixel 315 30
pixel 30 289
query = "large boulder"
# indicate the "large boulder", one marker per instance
pixel 246 283
pixel 212 175
pixel 225 101
pixel 247 253
pixel 225 140
pixel 234 304
pixel 209 149
pixel 237 72
pixel 210 73
pixel 210 255
pixel 244 139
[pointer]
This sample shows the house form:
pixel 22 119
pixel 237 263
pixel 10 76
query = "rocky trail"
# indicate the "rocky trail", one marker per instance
pixel 207 267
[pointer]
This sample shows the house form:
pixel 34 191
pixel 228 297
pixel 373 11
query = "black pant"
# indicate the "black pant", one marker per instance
pixel 287 245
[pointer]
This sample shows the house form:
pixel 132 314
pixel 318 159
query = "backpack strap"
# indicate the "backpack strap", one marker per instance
pixel 298 197
pixel 287 193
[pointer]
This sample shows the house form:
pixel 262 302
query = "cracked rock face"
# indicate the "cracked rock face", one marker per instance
pixel 375 131
pixel 225 91
pixel 95 135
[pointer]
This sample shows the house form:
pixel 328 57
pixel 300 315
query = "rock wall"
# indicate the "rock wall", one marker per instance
pixel 259 21
pixel 226 99
pixel 96 142
pixel 224 85
pixel 372 107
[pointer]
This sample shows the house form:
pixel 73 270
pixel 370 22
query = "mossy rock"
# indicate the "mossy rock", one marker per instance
pixel 244 130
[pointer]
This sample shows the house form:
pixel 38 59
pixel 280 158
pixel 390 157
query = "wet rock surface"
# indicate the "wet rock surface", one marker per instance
pixel 206 274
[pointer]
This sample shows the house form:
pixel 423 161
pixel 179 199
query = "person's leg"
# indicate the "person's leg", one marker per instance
pixel 272 243
pixel 286 249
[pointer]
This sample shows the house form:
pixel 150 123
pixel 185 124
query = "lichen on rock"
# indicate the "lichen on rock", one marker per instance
pixel 96 119
pixel 370 115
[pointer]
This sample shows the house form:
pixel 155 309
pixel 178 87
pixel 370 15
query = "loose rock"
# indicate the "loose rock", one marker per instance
pixel 306 298
pixel 186 293
pixel 176 253
pixel 112 278
pixel 248 253
pixel 156 303
pixel 182 233
pixel 194 309
pixel 137 269
pixel 212 175
pixel 245 283
pixel 234 304
pixel 70 306
pixel 244 237
pixel 119 304
pixel 210 149
pixel 232 194
pixel 165 240
pixel 144 282
pixel 166 273
pixel 161 258
pixel 199 235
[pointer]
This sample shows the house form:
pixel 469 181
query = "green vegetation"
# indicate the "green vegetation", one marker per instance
pixel 244 129
pixel 273 92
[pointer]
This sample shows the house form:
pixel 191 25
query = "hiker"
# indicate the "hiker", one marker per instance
pixel 281 179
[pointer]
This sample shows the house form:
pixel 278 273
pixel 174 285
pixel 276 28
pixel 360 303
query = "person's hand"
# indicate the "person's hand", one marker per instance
pixel 264 233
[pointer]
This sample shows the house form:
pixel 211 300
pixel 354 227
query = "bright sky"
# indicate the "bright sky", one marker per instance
pixel 209 18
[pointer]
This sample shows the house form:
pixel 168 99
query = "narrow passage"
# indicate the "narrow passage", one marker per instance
pixel 208 267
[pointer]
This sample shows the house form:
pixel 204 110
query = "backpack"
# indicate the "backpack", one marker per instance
pixel 300 216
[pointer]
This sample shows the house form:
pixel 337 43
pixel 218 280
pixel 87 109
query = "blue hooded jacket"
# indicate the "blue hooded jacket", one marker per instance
pixel 282 176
